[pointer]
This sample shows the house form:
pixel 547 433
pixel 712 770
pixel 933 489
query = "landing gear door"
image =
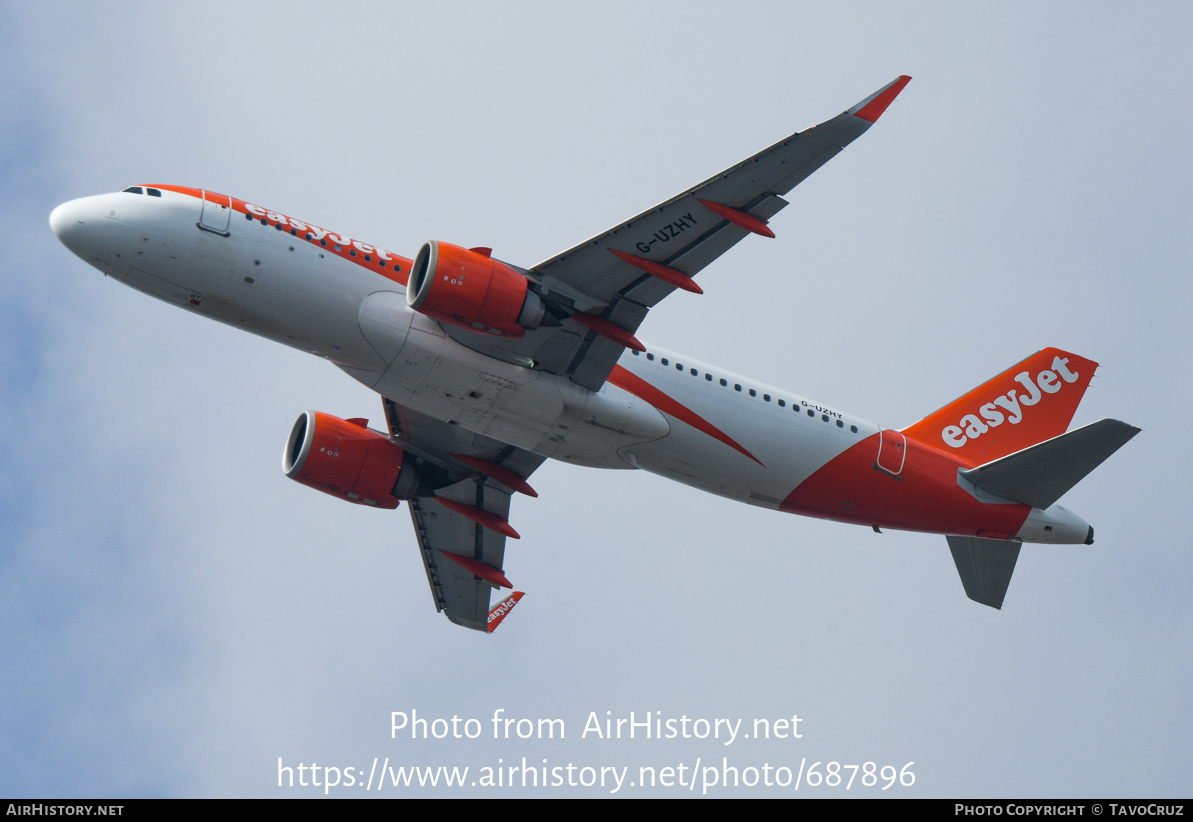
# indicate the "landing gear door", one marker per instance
pixel 892 452
pixel 217 213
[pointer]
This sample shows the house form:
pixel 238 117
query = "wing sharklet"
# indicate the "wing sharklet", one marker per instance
pixel 502 609
pixel 872 107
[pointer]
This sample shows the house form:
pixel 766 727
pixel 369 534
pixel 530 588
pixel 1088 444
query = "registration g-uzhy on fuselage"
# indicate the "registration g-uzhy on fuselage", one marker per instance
pixel 485 369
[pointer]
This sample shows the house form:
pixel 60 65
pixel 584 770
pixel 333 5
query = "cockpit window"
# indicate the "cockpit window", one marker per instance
pixel 153 192
pixel 134 190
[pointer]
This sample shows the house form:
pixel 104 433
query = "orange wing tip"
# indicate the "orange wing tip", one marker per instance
pixel 502 609
pixel 487 572
pixel 739 218
pixel 664 272
pixel 608 330
pixel 497 472
pixel 480 516
pixel 873 108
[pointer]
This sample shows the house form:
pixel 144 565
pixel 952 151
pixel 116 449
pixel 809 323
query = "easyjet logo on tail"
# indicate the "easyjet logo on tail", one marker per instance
pixel 1010 407
pixel 1030 402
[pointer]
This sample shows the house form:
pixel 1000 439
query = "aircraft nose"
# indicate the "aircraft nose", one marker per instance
pixel 80 225
pixel 69 221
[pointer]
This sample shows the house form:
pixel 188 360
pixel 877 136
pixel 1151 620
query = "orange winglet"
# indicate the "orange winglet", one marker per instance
pixel 664 272
pixel 480 516
pixel 607 329
pixel 502 609
pixel 500 473
pixel 739 218
pixel 872 110
pixel 482 569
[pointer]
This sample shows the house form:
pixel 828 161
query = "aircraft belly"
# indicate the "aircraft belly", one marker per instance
pixel 431 373
pixel 690 456
pixel 385 323
pixel 603 424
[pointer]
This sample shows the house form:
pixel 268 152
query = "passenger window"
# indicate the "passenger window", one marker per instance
pixel 708 377
pixel 736 387
pixel 853 428
pixel 811 413
pixel 724 382
pixel 766 397
pixel 840 424
pixel 753 393
pixel 650 356
pixel 782 404
pixel 664 361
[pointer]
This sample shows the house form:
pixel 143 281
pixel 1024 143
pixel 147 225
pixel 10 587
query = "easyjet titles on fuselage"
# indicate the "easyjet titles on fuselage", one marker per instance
pixel 317 234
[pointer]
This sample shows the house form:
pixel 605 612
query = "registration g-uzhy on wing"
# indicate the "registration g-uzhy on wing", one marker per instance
pixel 486 369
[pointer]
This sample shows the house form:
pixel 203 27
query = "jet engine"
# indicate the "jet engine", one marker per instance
pixel 347 460
pixel 468 288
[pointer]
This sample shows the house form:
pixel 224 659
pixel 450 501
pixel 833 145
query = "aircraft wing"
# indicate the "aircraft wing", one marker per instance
pixel 620 274
pixel 464 558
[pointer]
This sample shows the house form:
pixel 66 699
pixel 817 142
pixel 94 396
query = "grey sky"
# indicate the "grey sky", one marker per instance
pixel 177 615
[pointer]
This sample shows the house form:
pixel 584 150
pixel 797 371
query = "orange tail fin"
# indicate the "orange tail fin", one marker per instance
pixel 1030 402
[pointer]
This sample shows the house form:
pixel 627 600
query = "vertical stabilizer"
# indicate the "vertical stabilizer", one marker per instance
pixel 1028 403
pixel 985 566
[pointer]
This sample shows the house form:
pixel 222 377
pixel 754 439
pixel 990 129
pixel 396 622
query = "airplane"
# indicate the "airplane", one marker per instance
pixel 487 369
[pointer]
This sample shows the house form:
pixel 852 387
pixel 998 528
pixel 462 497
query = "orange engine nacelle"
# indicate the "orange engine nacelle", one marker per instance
pixel 345 459
pixel 470 289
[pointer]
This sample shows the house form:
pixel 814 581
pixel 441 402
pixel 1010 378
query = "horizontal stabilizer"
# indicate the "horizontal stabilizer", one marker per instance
pixel 1040 474
pixel 985 566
